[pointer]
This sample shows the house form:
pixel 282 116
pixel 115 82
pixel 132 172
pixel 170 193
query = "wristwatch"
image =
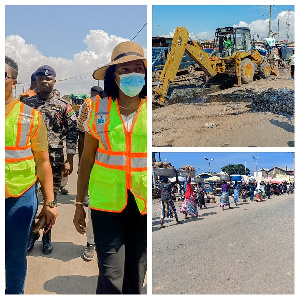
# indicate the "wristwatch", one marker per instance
pixel 51 204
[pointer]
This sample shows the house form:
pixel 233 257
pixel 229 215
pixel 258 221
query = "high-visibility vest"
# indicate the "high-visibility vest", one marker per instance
pixel 292 59
pixel 28 93
pixel 21 124
pixel 121 157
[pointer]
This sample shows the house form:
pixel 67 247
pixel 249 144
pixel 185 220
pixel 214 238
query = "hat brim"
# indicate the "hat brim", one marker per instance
pixel 99 74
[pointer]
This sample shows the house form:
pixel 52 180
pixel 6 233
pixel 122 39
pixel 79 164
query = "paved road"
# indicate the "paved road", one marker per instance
pixel 63 271
pixel 245 250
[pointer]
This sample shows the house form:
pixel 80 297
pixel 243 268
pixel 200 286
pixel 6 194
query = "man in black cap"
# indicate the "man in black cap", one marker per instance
pixel 61 122
pixel 97 90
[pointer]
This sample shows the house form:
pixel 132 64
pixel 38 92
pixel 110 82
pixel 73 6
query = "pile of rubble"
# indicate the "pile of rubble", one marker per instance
pixel 281 102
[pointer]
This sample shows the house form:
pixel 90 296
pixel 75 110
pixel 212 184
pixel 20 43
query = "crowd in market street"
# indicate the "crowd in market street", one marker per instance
pixel 227 192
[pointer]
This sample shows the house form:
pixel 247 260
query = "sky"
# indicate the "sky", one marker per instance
pixel 73 39
pixel 201 21
pixel 265 160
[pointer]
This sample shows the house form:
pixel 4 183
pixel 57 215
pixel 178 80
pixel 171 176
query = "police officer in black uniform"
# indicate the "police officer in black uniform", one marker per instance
pixel 61 122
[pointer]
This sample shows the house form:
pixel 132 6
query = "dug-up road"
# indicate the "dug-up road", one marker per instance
pixel 245 250
pixel 221 123
pixel 63 272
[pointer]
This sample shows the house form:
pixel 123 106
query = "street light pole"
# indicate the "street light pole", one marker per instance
pixel 255 164
pixel 209 160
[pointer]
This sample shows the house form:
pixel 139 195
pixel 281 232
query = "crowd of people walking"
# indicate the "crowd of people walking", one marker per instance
pixel 195 197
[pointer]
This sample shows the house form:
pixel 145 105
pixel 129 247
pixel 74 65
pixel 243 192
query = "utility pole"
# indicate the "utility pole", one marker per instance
pixel 270 22
pixel 288 26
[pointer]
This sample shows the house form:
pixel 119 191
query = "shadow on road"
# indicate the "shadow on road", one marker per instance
pixel 192 219
pixel 207 214
pixel 66 199
pixel 64 251
pixel 75 284
pixel 61 199
pixel 284 125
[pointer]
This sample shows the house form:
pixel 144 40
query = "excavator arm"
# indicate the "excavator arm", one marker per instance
pixel 178 48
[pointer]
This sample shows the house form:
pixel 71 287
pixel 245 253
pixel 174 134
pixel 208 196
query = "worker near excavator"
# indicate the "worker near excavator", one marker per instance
pixel 292 64
pixel 228 46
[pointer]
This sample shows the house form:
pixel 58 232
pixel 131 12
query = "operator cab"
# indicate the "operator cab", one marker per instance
pixel 229 40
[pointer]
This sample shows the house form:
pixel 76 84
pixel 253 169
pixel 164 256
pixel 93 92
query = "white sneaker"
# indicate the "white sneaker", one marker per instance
pixel 89 252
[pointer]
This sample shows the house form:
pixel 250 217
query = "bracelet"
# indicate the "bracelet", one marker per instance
pixel 78 203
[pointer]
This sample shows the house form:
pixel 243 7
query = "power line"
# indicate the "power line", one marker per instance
pixel 87 75
pixel 139 32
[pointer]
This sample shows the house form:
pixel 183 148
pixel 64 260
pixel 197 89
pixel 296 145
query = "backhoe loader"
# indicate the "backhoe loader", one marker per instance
pixel 233 54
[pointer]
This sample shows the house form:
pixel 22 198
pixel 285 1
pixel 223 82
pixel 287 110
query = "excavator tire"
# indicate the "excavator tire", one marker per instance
pixel 247 70
pixel 264 70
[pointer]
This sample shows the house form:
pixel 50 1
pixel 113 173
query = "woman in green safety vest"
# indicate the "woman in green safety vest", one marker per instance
pixel 113 167
pixel 26 160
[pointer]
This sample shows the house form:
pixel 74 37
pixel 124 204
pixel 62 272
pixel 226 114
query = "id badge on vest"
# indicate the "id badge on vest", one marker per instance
pixel 102 118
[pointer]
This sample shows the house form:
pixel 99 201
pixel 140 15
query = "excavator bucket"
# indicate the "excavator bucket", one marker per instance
pixel 179 47
pixel 173 61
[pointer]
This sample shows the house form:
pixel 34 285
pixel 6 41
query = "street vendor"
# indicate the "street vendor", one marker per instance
pixel 168 209
pixel 225 196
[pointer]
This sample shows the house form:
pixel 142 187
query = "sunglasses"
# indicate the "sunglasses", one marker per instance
pixel 6 76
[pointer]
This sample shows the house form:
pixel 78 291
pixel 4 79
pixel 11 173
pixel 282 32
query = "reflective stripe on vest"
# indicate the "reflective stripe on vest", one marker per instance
pixel 21 124
pixel 120 160
pixel 26 116
pixel 17 155
pixel 120 163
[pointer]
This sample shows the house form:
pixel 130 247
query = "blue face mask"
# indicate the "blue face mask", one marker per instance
pixel 131 84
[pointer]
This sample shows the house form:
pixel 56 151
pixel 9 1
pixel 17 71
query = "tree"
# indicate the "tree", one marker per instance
pixel 235 169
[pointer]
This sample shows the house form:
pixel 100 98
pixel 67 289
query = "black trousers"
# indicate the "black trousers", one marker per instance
pixel 293 71
pixel 121 245
pixel 201 201
pixel 56 157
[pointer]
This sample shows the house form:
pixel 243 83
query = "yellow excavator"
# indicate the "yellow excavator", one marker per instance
pixel 233 54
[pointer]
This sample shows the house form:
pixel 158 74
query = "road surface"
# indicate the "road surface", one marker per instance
pixel 245 250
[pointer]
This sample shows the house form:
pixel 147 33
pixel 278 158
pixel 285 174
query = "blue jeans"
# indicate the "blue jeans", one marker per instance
pixel 236 196
pixel 19 214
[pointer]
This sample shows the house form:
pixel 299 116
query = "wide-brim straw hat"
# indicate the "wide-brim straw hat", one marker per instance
pixel 123 52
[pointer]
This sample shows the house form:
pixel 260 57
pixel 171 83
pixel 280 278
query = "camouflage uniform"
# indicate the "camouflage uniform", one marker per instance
pixel 61 122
